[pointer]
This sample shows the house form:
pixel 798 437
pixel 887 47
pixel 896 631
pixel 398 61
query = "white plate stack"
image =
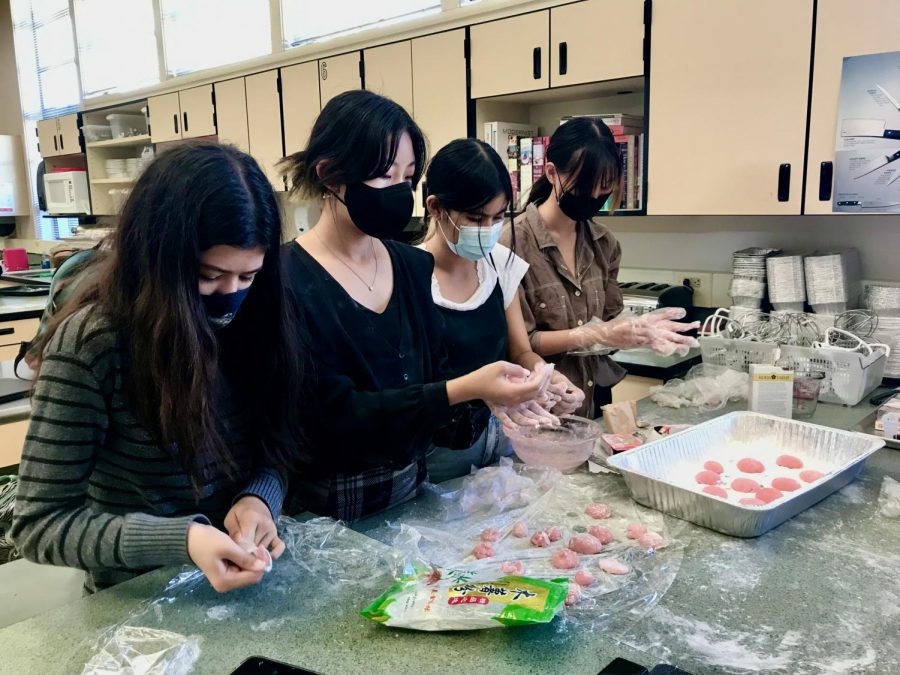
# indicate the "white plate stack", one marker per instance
pixel 833 281
pixel 885 302
pixel 116 168
pixel 787 282
pixel 748 281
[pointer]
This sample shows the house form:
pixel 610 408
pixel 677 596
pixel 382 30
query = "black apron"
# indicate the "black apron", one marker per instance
pixel 476 337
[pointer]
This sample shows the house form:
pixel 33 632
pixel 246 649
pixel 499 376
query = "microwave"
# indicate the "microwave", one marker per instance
pixel 67 192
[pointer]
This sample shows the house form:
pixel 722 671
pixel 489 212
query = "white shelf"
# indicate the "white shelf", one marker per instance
pixel 110 181
pixel 121 142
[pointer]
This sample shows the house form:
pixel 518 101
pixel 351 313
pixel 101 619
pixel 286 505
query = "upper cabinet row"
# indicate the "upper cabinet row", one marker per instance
pixel 583 42
pixel 742 108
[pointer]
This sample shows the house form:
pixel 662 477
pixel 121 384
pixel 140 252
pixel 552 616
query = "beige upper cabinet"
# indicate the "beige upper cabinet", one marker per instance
pixel 511 55
pixel 184 114
pixel 165 118
pixel 264 122
pixel 338 74
pixel 728 102
pixel 48 140
pixel 59 136
pixel 299 103
pixel 231 113
pixel 389 72
pixel 439 91
pixel 584 50
pixel 842 29
pixel 69 134
pixel 197 112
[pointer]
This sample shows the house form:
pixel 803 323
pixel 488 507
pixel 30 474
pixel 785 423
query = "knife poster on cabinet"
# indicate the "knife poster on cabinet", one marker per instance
pixel 867 145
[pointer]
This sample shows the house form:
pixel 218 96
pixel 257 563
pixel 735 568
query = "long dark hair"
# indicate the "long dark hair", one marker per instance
pixel 465 175
pixel 356 135
pixel 191 198
pixel 583 148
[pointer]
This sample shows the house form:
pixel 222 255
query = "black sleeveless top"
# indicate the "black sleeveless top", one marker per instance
pixel 476 337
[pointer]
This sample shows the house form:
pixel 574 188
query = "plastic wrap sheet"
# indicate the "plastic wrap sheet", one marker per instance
pixel 326 568
pixel 706 387
pixel 135 650
pixel 444 528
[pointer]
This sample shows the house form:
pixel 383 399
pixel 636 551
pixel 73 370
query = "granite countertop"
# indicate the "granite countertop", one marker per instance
pixel 14 308
pixel 14 410
pixel 817 594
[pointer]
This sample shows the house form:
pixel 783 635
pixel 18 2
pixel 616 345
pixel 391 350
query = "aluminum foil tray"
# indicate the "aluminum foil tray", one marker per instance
pixel 648 469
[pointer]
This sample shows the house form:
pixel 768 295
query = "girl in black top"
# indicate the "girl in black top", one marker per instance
pixel 475 286
pixel 376 339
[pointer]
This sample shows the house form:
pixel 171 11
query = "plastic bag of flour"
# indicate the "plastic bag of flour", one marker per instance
pixel 449 599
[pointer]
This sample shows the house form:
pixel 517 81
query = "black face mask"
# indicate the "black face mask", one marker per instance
pixel 581 207
pixel 382 213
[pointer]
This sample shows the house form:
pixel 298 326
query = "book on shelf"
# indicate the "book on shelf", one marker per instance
pixel 526 160
pixel 612 119
pixel 631 156
pixel 497 134
pixel 538 156
pixel 505 137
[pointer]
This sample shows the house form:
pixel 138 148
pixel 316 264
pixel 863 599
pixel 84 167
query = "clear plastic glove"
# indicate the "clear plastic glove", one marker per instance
pixel 659 330
pixel 569 396
pixel 529 414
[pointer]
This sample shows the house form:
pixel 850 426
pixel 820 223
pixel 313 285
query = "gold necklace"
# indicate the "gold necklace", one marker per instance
pixel 371 286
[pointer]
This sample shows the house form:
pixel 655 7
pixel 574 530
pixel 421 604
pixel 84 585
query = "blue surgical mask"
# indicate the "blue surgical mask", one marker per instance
pixel 221 308
pixel 474 242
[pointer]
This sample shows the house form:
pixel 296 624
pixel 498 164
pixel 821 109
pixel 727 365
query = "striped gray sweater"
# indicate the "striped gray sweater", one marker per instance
pixel 95 491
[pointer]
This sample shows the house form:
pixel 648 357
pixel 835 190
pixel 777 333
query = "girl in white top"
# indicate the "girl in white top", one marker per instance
pixel 475 286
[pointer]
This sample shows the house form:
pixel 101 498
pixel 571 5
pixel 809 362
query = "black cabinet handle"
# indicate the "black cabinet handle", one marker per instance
pixel 826 172
pixel 55 146
pixel 563 58
pixel 784 182
pixel 175 122
pixel 7 331
pixel 185 122
pixel 536 62
pixel 61 144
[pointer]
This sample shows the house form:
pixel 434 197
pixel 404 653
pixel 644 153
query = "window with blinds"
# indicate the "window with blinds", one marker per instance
pixel 48 84
pixel 200 34
pixel 116 59
pixel 303 21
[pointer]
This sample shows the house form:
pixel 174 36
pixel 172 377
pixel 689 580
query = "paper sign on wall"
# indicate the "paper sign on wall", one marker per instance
pixel 867 146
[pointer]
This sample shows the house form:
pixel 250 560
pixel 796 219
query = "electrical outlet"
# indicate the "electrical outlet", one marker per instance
pixel 695 282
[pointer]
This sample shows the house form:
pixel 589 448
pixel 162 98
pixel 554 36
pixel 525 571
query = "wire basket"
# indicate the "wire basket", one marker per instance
pixel 737 354
pixel 850 376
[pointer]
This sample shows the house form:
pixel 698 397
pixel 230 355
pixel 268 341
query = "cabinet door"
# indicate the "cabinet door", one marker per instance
pixel 231 113
pixel 69 135
pixel 388 72
pixel 510 55
pixel 842 29
pixel 581 53
pixel 165 118
pixel 47 137
pixel 264 122
pixel 300 103
pixel 338 74
pixel 197 112
pixel 439 91
pixel 728 106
